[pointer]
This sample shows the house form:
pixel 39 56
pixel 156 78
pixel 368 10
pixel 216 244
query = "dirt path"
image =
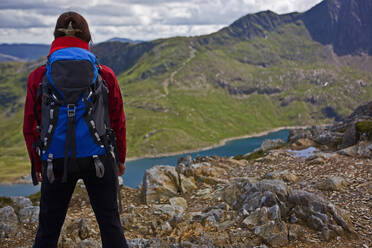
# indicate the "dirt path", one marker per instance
pixel 170 80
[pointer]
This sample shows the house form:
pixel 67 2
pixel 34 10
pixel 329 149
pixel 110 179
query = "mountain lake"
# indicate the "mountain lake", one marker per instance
pixel 135 169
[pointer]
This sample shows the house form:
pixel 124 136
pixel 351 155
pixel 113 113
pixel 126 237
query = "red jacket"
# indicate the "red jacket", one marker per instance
pixel 116 109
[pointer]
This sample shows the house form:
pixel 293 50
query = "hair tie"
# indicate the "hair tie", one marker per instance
pixel 69 31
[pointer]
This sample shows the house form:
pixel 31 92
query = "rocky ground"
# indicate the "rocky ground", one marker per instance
pixel 229 203
pixel 315 191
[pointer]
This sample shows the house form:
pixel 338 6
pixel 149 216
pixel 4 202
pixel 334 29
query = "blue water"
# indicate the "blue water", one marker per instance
pixel 135 169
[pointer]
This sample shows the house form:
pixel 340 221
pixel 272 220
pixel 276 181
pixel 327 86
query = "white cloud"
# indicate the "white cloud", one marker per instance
pixel 34 20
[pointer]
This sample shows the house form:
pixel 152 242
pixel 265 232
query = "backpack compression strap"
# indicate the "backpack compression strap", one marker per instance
pixel 70 139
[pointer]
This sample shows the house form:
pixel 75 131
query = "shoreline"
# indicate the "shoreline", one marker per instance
pixel 221 143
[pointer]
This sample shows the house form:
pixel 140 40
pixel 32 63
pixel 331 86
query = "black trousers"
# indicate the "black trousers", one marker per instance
pixel 55 198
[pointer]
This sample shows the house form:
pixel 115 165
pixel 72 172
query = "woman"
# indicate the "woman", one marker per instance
pixel 72 31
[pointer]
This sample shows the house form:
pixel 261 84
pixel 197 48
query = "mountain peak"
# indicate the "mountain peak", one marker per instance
pixel 345 24
pixel 253 25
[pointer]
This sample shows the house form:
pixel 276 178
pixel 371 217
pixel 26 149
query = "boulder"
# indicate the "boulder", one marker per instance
pixel 160 183
pixel 273 234
pixel 276 186
pixel 350 137
pixel 188 184
pixel 318 213
pixel 269 205
pixel 231 193
pixel 21 202
pixel 29 215
pixel 256 218
pixel 8 222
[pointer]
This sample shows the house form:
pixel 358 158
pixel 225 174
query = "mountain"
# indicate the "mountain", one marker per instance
pixel 25 52
pixel 5 58
pixel 345 24
pixel 263 71
pixel 124 40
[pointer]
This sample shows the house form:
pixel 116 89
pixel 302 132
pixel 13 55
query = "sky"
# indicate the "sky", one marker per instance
pixel 33 21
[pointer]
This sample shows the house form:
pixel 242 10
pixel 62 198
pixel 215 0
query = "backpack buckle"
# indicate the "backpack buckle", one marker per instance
pixel 71 110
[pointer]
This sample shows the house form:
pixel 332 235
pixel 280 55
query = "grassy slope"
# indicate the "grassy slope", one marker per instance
pixel 197 111
pixel 13 153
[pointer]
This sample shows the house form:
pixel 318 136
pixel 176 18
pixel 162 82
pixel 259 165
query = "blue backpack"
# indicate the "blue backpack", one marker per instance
pixel 74 111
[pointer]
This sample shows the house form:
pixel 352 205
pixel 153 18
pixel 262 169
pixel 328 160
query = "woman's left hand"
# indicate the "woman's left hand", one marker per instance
pixel 121 169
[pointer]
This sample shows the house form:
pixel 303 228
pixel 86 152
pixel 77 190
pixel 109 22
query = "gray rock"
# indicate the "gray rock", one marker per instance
pixel 270 144
pixel 21 202
pixel 333 183
pixel 216 213
pixel 137 243
pixel 210 221
pixel 274 234
pixel 166 227
pixel 8 222
pixel 364 149
pixel 274 213
pixel 251 201
pixel 230 193
pixel 7 215
pixel 271 201
pixel 178 201
pixel 88 243
pixel 29 215
pixel 351 151
pixel 168 210
pixel 317 212
pixel 350 137
pixel 78 230
pixel 268 199
pixel 188 161
pixel 187 184
pixel 276 186
pixel 257 218
pixel 160 183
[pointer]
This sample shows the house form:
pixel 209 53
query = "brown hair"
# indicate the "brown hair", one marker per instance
pixel 77 21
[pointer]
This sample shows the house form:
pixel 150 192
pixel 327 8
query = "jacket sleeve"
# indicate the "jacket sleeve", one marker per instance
pixel 116 112
pixel 29 121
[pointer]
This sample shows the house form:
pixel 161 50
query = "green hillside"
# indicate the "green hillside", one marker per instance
pixel 188 93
